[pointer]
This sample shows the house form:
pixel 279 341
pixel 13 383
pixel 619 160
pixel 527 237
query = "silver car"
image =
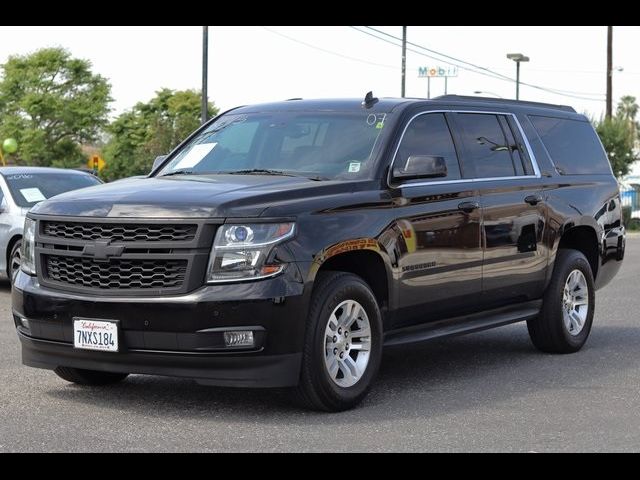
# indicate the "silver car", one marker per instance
pixel 20 189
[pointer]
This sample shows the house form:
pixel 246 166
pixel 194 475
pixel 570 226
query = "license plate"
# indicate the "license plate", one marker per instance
pixel 92 334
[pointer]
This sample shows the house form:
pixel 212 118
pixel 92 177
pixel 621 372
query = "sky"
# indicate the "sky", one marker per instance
pixel 261 64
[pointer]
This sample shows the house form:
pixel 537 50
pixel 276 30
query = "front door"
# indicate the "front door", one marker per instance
pixel 438 254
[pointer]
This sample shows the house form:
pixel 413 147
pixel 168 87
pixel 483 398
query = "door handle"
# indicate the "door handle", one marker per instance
pixel 533 200
pixel 468 206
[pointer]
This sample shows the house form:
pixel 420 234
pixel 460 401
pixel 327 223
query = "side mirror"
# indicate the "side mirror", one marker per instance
pixel 156 163
pixel 421 166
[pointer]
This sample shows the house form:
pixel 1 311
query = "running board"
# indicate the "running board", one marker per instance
pixel 465 324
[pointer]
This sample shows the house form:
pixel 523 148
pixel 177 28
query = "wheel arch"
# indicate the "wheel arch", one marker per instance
pixel 10 244
pixel 364 257
pixel 584 238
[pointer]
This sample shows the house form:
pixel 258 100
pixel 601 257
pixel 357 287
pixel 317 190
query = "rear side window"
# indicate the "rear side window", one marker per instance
pixel 429 134
pixel 573 145
pixel 490 145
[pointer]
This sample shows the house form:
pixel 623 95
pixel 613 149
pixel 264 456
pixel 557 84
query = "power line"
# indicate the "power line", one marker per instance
pixel 492 75
pixel 442 54
pixel 567 93
pixel 471 67
pixel 330 52
pixel 478 69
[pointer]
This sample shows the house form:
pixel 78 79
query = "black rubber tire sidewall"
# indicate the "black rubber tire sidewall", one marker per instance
pixel 321 392
pixel 548 331
pixel 16 246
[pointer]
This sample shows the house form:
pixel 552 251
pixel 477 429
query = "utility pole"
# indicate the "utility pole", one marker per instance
pixel 404 60
pixel 517 80
pixel 609 70
pixel 204 112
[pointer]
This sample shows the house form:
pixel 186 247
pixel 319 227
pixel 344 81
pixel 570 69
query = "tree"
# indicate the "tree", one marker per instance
pixel 627 108
pixel 619 136
pixel 51 103
pixel 618 140
pixel 151 129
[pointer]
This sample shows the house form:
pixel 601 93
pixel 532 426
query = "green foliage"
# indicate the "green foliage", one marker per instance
pixel 627 108
pixel 619 136
pixel 618 141
pixel 51 103
pixel 150 129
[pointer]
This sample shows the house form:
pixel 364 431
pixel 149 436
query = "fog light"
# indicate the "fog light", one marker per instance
pixel 242 338
pixel 24 322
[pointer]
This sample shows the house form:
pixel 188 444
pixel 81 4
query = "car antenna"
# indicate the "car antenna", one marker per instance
pixel 369 100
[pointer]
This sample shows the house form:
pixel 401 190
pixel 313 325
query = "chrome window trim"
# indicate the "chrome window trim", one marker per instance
pixel 534 161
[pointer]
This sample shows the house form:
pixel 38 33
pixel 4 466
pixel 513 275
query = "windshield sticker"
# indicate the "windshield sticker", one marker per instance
pixel 20 176
pixel 32 194
pixel 354 167
pixel 376 119
pixel 195 155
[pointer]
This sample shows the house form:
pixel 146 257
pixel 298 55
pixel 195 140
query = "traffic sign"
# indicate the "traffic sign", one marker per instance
pixel 96 162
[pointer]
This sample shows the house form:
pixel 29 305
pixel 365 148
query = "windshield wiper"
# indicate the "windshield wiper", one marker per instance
pixel 184 171
pixel 260 171
pixel 264 171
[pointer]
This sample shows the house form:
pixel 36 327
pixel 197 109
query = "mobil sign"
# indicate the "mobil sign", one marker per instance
pixel 438 71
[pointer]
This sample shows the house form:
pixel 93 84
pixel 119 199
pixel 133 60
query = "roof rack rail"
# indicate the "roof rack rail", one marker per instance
pixel 466 98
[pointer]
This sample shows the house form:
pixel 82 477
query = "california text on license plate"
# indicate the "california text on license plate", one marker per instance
pixel 92 334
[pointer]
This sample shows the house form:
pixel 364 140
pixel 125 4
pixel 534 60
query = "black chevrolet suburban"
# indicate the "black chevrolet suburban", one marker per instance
pixel 285 244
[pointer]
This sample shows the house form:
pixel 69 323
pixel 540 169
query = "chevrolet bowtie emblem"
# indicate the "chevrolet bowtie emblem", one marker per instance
pixel 101 250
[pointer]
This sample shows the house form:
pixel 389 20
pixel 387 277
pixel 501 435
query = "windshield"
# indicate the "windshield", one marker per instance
pixel 27 189
pixel 318 145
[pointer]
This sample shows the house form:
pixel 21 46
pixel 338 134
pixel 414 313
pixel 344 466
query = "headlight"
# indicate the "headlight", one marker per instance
pixel 240 252
pixel 28 262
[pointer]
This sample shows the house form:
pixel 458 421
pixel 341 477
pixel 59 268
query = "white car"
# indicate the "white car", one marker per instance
pixel 20 189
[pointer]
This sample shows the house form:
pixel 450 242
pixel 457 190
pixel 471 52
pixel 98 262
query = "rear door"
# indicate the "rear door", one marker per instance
pixel 438 251
pixel 513 206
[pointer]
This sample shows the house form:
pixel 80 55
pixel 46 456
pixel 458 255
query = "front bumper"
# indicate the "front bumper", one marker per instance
pixel 173 336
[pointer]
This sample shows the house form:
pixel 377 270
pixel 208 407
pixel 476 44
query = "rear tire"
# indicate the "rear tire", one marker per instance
pixel 565 321
pixel 89 377
pixel 343 343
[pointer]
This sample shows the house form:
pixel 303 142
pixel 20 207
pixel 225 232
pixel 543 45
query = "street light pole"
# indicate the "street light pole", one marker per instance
pixel 204 111
pixel 517 57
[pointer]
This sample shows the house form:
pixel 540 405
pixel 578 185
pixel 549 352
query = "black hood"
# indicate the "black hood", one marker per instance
pixel 181 196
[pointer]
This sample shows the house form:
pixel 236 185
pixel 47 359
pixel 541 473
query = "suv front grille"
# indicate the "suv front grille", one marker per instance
pixel 122 232
pixel 117 273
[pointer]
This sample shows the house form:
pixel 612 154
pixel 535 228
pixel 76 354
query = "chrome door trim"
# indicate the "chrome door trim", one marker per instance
pixel 534 161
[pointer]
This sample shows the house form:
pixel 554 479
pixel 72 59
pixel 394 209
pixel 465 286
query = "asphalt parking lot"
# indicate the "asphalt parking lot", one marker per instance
pixel 490 391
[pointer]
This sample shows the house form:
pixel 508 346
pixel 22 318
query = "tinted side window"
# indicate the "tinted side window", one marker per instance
pixel 573 145
pixel 485 143
pixel 429 134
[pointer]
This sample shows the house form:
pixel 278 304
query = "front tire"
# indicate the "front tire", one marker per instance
pixel 89 377
pixel 15 259
pixel 565 321
pixel 343 343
